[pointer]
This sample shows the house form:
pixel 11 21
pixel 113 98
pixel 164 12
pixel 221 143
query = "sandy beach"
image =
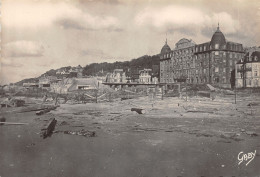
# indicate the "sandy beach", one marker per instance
pixel 173 138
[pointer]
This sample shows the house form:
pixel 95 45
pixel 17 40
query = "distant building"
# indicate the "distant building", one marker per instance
pixel 83 84
pixel 75 84
pixel 248 70
pixel 134 75
pixel 145 76
pixel 71 72
pixel 211 62
pixel 118 76
pixel 155 80
pixel 46 81
pixel 28 85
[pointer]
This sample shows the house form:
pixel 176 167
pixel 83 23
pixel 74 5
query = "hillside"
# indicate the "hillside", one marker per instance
pixel 141 62
pixel 101 69
pixel 51 72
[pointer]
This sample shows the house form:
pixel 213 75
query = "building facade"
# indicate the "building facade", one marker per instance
pixel 211 62
pixel 248 70
pixel 178 63
pixel 118 76
pixel 145 76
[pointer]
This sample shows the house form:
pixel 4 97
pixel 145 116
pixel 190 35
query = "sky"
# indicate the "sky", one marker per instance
pixel 39 35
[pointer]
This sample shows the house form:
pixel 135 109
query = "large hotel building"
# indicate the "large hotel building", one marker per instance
pixel 211 62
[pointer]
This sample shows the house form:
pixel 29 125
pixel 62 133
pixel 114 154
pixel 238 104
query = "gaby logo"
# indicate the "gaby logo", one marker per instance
pixel 246 157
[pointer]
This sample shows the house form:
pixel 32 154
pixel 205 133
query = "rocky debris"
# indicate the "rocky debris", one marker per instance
pixel 211 87
pixel 49 128
pixel 17 102
pixel 3 122
pixel 200 111
pixel 251 133
pixel 224 141
pixel 12 102
pixel 139 111
pixel 48 109
pixel 2 119
pixel 126 98
pixel 82 132
pixel 64 123
pixel 253 104
pixel 204 94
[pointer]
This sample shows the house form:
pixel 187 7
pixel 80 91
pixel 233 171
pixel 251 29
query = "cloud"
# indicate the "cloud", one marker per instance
pixel 43 14
pixel 23 49
pixel 34 14
pixel 175 15
pixel 69 24
pixel 88 22
pixel 187 20
pixel 227 23
pixel 10 63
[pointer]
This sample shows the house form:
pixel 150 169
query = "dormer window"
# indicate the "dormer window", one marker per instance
pixel 216 46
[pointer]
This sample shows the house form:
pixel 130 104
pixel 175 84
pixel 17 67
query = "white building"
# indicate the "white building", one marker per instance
pixel 118 76
pixel 145 76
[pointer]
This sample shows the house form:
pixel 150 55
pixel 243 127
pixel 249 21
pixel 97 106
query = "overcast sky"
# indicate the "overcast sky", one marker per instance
pixel 41 35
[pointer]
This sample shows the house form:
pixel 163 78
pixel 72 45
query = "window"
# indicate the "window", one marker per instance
pixel 256 82
pixel 224 70
pixel 217 53
pixel 224 80
pixel 216 70
pixel 230 62
pixel 216 46
pixel 204 48
pixel 255 73
pixel 224 53
pixel 230 55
